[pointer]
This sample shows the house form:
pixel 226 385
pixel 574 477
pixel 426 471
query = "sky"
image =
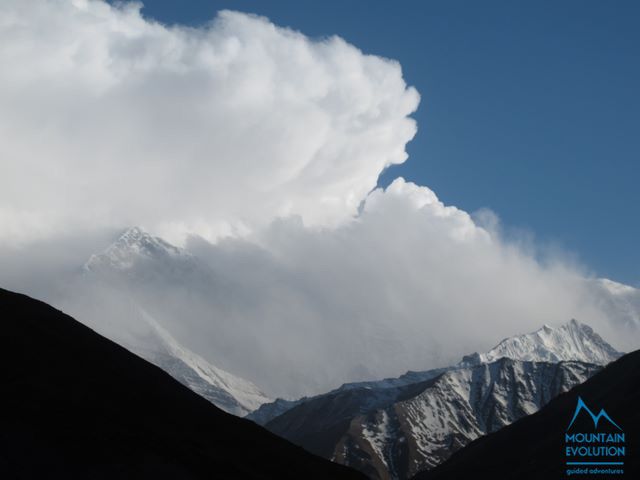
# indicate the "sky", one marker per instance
pixel 528 108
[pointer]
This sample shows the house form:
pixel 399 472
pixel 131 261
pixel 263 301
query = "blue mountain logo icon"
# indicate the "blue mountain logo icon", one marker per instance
pixel 596 418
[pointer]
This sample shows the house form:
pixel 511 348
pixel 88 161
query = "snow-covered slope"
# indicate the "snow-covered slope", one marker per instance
pixel 571 341
pixel 457 408
pixel 136 258
pixel 228 392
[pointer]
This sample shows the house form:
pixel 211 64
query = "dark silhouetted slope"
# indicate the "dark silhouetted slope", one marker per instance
pixel 75 405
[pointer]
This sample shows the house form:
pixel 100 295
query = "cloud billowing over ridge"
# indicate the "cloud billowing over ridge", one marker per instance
pixel 409 283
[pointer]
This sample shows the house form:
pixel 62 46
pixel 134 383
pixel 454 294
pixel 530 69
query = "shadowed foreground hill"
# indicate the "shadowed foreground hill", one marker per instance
pixel 76 405
pixel 534 448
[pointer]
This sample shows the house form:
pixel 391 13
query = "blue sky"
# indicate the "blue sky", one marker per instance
pixel 528 108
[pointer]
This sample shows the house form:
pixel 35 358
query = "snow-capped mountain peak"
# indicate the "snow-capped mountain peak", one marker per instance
pixel 573 341
pixel 132 245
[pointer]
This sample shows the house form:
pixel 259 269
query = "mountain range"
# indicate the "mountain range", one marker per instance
pixel 394 428
pixel 534 447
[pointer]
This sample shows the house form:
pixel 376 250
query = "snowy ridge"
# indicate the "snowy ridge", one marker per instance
pixel 465 404
pixel 393 428
pixel 269 411
pixel 405 379
pixel 571 341
pixel 423 428
pixel 227 391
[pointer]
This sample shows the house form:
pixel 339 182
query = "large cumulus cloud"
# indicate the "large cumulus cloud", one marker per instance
pixel 110 119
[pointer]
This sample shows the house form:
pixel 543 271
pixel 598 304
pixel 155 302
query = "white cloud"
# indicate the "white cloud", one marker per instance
pixel 408 284
pixel 107 118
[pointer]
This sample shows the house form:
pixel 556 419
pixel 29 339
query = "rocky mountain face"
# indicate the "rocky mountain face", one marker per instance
pixel 268 411
pixel 534 447
pixel 393 428
pixel 393 433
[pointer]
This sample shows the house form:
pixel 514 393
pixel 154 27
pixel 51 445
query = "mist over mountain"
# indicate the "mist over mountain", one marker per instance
pixel 253 312
pixel 137 257
pixel 226 391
